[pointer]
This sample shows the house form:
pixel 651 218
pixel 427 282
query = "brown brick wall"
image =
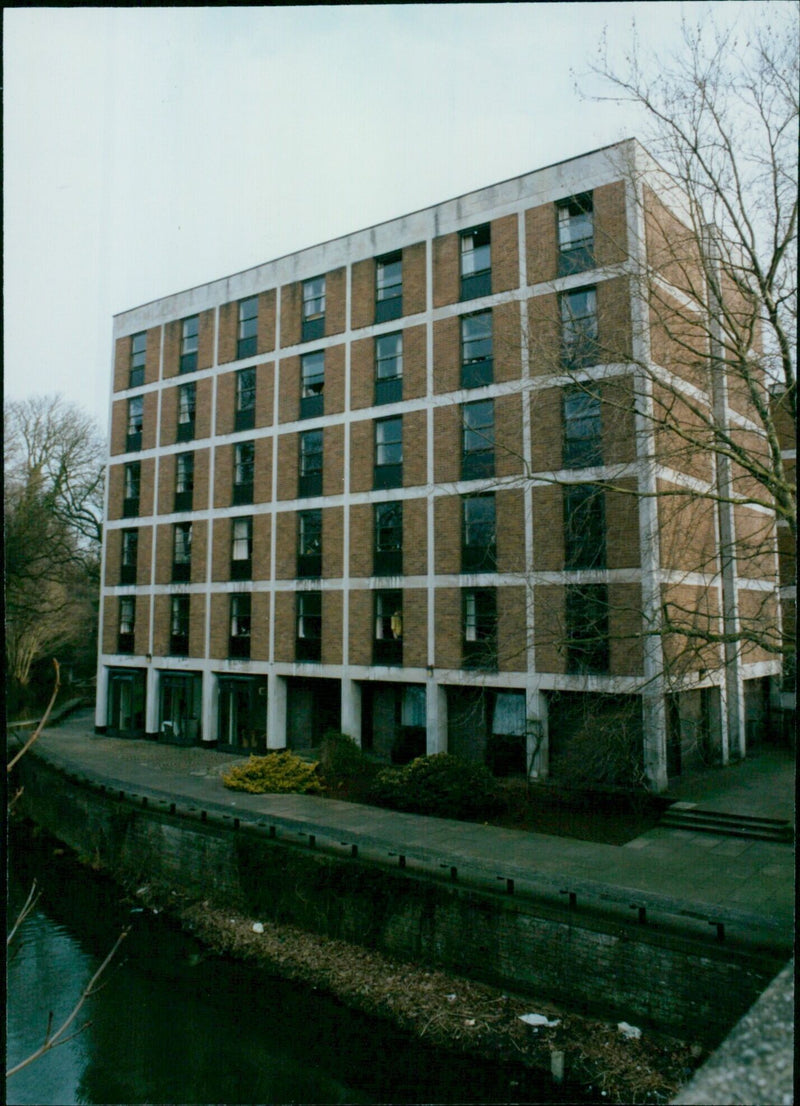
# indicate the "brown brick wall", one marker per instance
pixel 221 554
pixel 361 527
pixel 202 416
pixel 116 489
pixel 261 547
pixel 447 354
pixel 289 393
pixel 693 611
pixel 197 626
pixel 510 526
pixel 333 460
pixel 287 466
pixel 152 355
pixel 546 429
pixel 362 373
pixel 447 534
pixel 262 474
pixel 223 475
pixel 682 440
pixel 511 633
pixel 541 243
pixel 415 537
pixel 787 556
pixel 265 393
pixel 505 254
pixel 331 627
pixel 226 403
pixel 220 624
pixel 362 448
pixel 414 289
pixel 291 308
pixel 286 545
pixel 687 530
pixel 172 346
pixel 678 338
pixel 111 623
pixel 544 335
pixel 335 302
pixel 610 224
pixel 267 321
pixel 160 625
pixel 625 627
pixel 163 554
pixel 228 332
pixel 614 319
pixel 617 397
pixel 284 626
pixel 446 272
pixel 141 636
pixel 622 525
pixel 415 628
pixel 202 463
pixel 672 247
pixel 508 435
pixel 448 628
pixel 119 426
pixel 415 454
pixel 447 444
pixel 507 343
pixel 144 554
pixel 361 627
pixel 122 363
pixel 147 495
pixel 334 380
pixel 169 416
pixel 113 557
pixel 332 542
pixel 756 539
pixel 548 623
pixel 205 339
pixel 548 528
pixel 199 551
pixel 415 383
pixel 362 308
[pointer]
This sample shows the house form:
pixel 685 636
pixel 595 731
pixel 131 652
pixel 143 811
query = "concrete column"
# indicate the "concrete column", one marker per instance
pixel 101 703
pixel 276 712
pixel 436 718
pixel 151 703
pixel 208 722
pixel 537 760
pixel 654 724
pixel 351 709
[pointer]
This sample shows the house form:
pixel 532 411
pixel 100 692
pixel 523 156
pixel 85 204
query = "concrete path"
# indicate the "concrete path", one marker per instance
pixel 675 874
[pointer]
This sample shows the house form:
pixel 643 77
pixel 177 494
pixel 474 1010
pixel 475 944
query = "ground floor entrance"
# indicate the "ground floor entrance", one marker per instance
pixel 180 703
pixel 126 698
pixel 393 720
pixel 313 707
pixel 242 714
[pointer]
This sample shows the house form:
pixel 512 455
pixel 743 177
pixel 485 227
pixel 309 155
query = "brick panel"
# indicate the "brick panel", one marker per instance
pixel 544 335
pixel 362 630
pixel 223 475
pixel 172 346
pixel 511 633
pixel 110 623
pixel 226 403
pixel 548 623
pixel 164 553
pixel 361 526
pixel 362 308
pixel 116 490
pixel 447 515
pixel 447 444
pixel 448 628
pixel 332 542
pixel 614 318
pixel 122 363
pixel 755 543
pixel 510 525
pixel 287 466
pixel 202 419
pixel 285 626
pixel 152 355
pixel 678 339
pixel 197 626
pixel 694 611
pixel 686 530
pixel 265 393
pixel 289 392
pixel 262 471
pixel 220 625
pixel 541 243
pixel 331 627
pixel 333 460
pixel 507 342
pixel 548 528
pixel 787 556
pixel 119 426
pixel 160 625
pixel 286 546
pixel 259 643
pixel 415 454
pixel 141 632
pixel 361 455
pixel 144 555
pixel 414 287
pixel 334 380
pixel 147 495
pixel 622 526
pixel 447 354
pixel 261 547
pixel 688 451
pixel 267 321
pixel 291 306
pixel 362 373
pixel 169 416
pixel 202 462
pixel 617 401
pixel 610 224
pixel 546 430
pixel 205 339
pixel 335 305
pixel 672 247
pixel 626 656
pixel 228 332
pixel 415 537
pixel 508 435
pixel 199 550
pixel 415 628
pixel 113 557
pixel 415 375
pixel 149 420
pixel 446 272
pixel 505 254
pixel 221 555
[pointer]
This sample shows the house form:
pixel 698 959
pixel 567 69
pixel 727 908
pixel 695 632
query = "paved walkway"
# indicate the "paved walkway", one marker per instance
pixel 749 885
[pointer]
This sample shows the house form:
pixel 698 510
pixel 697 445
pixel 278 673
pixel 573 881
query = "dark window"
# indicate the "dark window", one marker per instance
pixel 312 394
pixel 310 482
pixel 244 457
pixel 582 429
pixel 138 357
pixel 388 453
pixel 245 418
pixel 184 481
pixel 479 542
pixel 584 527
pixel 127 624
pixel 239 640
pixel 575 234
pixel 479 644
pixel 387 557
pixel 248 327
pixel 132 486
pixel 241 548
pixel 186 411
pixel 388 287
pixel 179 625
pixel 476 263
pixel 129 557
pixel 388 642
pixel 309 543
pixel 133 440
pixel 389 368
pixel 587 628
pixel 181 551
pixel 309 626
pixel 189 333
pixel 477 363
pixel 579 328
pixel 477 457
pixel 313 309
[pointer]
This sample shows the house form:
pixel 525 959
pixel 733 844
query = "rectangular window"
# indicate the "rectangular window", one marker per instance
pixel 308 646
pixel 310 482
pixel 575 234
pixel 245 418
pixel 389 287
pixel 127 624
pixel 133 440
pixel 186 411
pixel 477 458
pixel 138 357
pixel 129 556
pixel 389 368
pixel 388 641
pixel 584 527
pixel 313 309
pixel 179 625
pixel 312 391
pixel 388 471
pixel 387 554
pixel 476 262
pixel 244 458
pixel 478 547
pixel 181 551
pixel 477 360
pixel 239 640
pixel 579 328
pixel 479 640
pixel 242 549
pixel 583 441
pixel 247 336
pixel 131 489
pixel 184 481
pixel 309 543
pixel 189 344
pixel 587 628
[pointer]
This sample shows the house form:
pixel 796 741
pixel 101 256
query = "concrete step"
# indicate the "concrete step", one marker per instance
pixel 690 817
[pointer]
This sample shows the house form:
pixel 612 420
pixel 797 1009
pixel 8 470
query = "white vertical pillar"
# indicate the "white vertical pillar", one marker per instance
pixel 276 712
pixel 208 724
pixel 101 703
pixel 537 760
pixel 151 704
pixel 351 709
pixel 436 718
pixel 654 725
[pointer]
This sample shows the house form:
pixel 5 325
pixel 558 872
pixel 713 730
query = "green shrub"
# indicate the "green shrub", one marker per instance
pixel 440 784
pixel 340 757
pixel 275 772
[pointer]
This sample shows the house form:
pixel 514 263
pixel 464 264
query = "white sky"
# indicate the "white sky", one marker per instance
pixel 150 150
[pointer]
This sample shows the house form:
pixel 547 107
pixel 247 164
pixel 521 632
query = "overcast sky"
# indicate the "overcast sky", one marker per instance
pixel 150 150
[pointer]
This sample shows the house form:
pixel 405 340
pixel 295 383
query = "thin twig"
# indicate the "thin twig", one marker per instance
pixel 30 903
pixel 45 716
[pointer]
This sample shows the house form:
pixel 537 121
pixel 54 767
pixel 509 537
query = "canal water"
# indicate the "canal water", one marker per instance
pixel 173 1024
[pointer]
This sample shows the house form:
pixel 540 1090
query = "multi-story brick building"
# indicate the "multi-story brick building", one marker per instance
pixel 367 486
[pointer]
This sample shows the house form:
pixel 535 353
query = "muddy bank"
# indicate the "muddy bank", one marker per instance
pixel 444 1010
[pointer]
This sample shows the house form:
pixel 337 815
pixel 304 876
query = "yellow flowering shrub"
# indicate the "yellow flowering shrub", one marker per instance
pixel 275 772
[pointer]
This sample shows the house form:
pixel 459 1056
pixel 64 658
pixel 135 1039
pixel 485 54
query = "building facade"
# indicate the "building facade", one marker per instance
pixel 402 484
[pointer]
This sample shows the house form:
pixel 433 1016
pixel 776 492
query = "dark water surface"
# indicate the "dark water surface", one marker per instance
pixel 173 1024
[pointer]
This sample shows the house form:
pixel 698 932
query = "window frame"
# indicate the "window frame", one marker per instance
pixel 128 562
pixel 244 467
pixel 479 628
pixel 247 328
pixel 478 556
pixel 131 489
pixel 581 450
pixel 309 543
pixel 310 470
pixel 241 568
pixel 245 385
pixel 308 625
pixel 389 385
pixel 181 552
pixel 179 625
pixel 578 255
pixel 475 281
pixel 387 560
pixel 387 643
pixel 126 624
pixel 240 625
pixel 584 527
pixel 313 321
pixel 477 371
pixel 586 610
pixel 312 384
pixel 477 462
pixel 135 424
pixel 189 344
pixel 187 411
pixel 138 360
pixel 579 329
pixel 388 296
pixel 184 481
